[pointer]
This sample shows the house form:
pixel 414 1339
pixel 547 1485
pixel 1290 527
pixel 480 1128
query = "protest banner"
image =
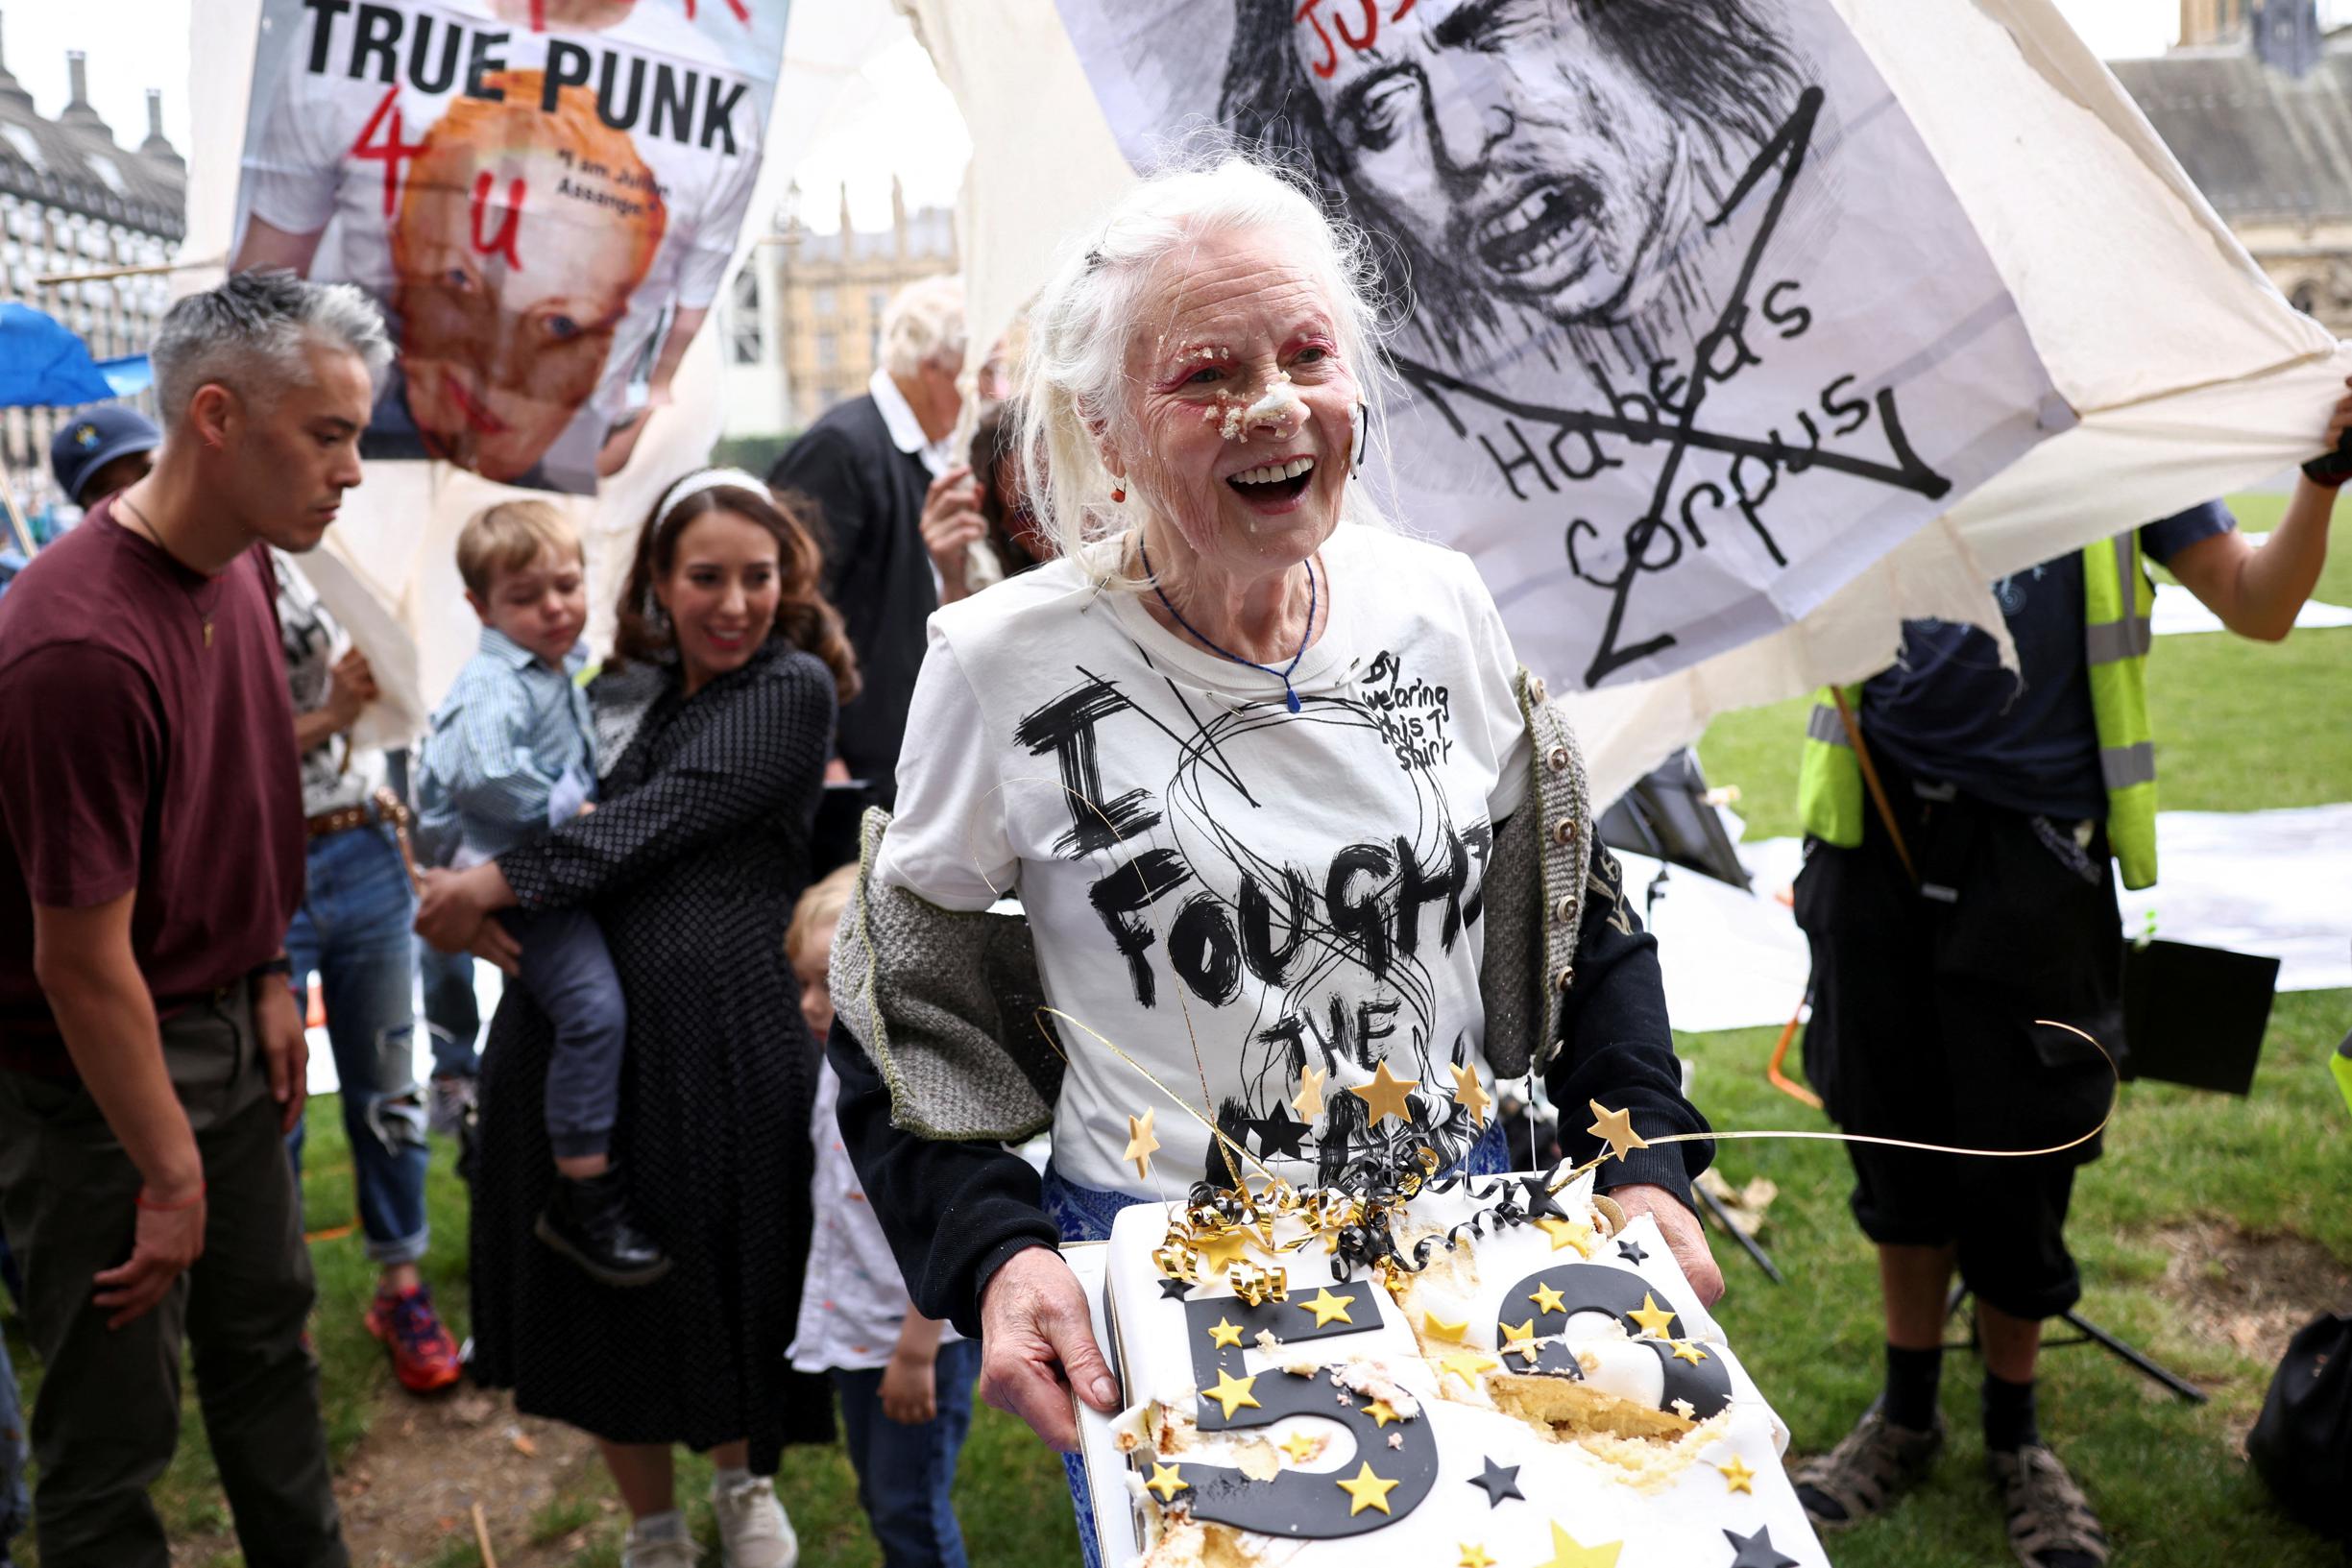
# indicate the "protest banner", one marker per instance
pixel 543 195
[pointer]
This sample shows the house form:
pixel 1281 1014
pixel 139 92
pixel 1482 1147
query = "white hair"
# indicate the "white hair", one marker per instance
pixel 923 323
pixel 1086 319
pixel 249 334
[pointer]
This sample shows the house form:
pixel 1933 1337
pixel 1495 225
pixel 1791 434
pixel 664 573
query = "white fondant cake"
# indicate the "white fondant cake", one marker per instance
pixel 1539 1394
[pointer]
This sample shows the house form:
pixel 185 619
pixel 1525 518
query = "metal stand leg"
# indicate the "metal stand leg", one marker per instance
pixel 2088 1333
pixel 1747 1244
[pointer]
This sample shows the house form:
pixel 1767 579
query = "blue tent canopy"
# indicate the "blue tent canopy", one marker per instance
pixel 43 364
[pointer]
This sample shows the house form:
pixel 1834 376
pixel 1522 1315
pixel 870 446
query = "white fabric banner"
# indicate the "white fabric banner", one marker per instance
pixel 2185 373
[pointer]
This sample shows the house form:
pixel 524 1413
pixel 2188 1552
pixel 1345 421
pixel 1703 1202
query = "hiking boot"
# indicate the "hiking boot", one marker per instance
pixel 423 1355
pixel 588 1220
pixel 754 1530
pixel 2050 1522
pixel 667 1545
pixel 1860 1479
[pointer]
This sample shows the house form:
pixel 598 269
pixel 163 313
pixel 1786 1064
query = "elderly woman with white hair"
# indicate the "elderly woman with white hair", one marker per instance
pixel 1288 826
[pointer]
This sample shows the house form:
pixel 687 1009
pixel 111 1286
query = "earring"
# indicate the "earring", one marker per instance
pixel 1363 435
pixel 1118 492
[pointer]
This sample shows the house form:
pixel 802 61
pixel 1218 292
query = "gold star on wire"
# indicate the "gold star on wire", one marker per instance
pixel 1140 1143
pixel 1685 1351
pixel 1654 1318
pixel 1222 1334
pixel 1470 1094
pixel 1437 1328
pixel 1573 1233
pixel 1474 1555
pixel 1616 1128
pixel 1232 1392
pixel 1167 1479
pixel 1309 1103
pixel 1512 1331
pixel 1223 1250
pixel 1382 1412
pixel 1547 1299
pixel 1328 1308
pixel 1385 1096
pixel 1568 1553
pixel 1468 1364
pixel 1299 1447
pixel 1367 1490
pixel 1737 1477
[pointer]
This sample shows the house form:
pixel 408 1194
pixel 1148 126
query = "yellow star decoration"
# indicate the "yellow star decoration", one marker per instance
pixel 1382 1412
pixel 1140 1143
pixel 1573 1233
pixel 1223 1250
pixel 1328 1308
pixel 1309 1103
pixel 1616 1128
pixel 1737 1477
pixel 1654 1318
pixel 1547 1299
pixel 1474 1555
pixel 1385 1096
pixel 1167 1479
pixel 1512 1331
pixel 1232 1392
pixel 1685 1351
pixel 1222 1334
pixel 1367 1490
pixel 1437 1328
pixel 1470 1094
pixel 1468 1364
pixel 1299 1447
pixel 1568 1553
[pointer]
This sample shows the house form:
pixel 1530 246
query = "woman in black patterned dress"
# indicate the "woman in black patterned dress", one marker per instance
pixel 691 863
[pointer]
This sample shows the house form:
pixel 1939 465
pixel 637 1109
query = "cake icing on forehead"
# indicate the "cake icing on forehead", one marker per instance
pixel 1542 1390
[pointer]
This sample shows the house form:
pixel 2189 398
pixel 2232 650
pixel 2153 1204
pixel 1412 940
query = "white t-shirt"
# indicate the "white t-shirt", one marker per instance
pixel 310 170
pixel 1201 866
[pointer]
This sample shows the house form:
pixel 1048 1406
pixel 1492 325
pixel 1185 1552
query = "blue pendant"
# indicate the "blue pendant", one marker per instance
pixel 1290 696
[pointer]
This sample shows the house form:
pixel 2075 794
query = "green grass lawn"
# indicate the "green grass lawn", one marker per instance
pixel 2240 727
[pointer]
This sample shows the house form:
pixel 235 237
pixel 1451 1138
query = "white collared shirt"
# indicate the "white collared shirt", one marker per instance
pixel 906 429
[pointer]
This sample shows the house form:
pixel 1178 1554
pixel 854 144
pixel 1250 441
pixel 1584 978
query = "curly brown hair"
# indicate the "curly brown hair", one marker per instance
pixel 803 616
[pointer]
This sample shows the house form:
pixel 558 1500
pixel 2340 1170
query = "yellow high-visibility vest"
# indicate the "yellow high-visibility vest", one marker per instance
pixel 2117 601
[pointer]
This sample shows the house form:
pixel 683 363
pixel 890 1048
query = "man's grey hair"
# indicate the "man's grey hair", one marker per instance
pixel 249 335
pixel 923 324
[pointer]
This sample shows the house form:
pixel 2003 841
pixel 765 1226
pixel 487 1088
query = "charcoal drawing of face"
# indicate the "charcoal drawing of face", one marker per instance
pixel 1547 159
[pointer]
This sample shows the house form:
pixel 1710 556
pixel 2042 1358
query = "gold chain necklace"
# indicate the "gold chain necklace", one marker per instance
pixel 201 611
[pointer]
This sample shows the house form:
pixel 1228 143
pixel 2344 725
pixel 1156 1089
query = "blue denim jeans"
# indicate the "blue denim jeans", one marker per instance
pixel 904 1473
pixel 352 929
pixel 15 1506
pixel 1084 1214
pixel 453 1015
pixel 568 972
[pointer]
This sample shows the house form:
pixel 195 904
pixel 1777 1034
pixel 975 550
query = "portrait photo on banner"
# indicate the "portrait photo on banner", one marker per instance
pixel 1689 324
pixel 543 195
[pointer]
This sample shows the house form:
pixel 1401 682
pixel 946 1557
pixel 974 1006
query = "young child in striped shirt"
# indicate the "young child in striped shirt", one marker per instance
pixel 511 755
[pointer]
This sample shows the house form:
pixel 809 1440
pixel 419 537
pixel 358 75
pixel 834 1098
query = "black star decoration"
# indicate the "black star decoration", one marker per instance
pixel 1175 1289
pixel 1500 1482
pixel 1280 1134
pixel 1756 1551
pixel 1631 1252
pixel 1541 1204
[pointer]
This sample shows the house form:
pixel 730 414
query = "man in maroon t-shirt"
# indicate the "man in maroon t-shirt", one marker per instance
pixel 151 1056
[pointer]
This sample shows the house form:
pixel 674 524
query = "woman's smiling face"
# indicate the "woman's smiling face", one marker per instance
pixel 1240 411
pixel 721 592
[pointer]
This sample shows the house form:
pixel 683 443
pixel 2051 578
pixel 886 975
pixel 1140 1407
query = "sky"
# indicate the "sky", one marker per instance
pixel 902 121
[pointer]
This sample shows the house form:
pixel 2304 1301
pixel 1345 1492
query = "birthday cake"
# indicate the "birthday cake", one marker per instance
pixel 1486 1372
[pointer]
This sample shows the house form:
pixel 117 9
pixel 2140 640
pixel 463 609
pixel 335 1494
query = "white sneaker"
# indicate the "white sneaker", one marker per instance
pixel 754 1531
pixel 672 1548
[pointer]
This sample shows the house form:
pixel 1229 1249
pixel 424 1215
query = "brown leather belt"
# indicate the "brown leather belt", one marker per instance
pixel 385 808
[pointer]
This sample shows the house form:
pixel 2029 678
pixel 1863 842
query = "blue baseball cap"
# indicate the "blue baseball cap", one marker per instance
pixel 95 437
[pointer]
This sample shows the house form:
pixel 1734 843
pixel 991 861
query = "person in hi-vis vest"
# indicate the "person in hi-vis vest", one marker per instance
pixel 1936 947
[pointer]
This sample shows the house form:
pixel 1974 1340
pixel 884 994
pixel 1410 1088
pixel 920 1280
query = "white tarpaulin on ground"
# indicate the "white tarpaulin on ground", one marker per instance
pixel 2183 373
pixel 398 532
